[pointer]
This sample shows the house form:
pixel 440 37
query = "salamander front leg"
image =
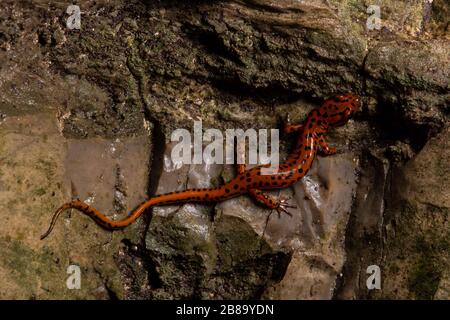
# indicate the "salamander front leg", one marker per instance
pixel 240 168
pixel 326 149
pixel 240 157
pixel 280 205
pixel 290 128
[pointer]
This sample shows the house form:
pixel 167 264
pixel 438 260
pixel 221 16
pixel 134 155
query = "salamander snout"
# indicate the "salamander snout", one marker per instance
pixel 339 109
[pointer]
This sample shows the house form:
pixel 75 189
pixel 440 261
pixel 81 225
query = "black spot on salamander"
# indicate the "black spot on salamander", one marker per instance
pixel 248 179
pixel 235 187
pixel 227 190
pixel 310 126
pixel 300 170
pixel 241 177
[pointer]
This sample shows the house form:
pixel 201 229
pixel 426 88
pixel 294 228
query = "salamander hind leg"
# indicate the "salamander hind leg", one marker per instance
pixel 240 160
pixel 280 205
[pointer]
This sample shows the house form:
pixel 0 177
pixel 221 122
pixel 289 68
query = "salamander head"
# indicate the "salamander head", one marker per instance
pixel 338 109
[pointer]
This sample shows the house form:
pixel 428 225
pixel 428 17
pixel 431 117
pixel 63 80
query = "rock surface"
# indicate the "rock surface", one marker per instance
pixel 89 113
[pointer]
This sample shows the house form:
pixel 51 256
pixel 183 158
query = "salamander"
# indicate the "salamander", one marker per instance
pixel 333 112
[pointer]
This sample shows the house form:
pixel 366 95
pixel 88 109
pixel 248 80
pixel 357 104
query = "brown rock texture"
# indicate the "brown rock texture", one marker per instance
pixel 89 113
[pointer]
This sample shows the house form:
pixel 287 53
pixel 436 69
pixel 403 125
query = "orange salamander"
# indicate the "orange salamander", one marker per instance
pixel 335 111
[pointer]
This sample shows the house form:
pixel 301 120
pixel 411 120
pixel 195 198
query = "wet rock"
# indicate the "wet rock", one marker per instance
pixel 39 170
pixel 401 225
pixel 243 250
pixel 140 67
pixel 316 233
pixel 364 236
pixel 198 254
